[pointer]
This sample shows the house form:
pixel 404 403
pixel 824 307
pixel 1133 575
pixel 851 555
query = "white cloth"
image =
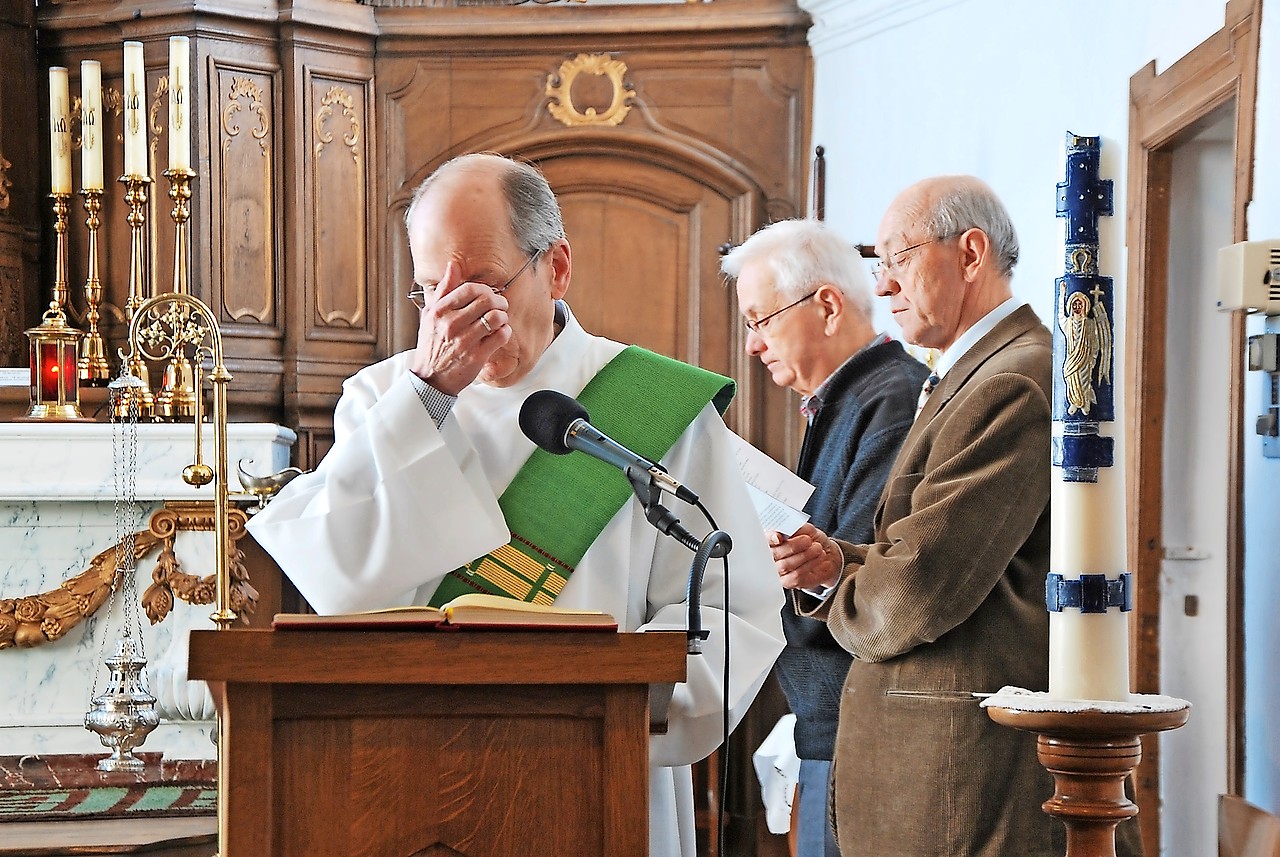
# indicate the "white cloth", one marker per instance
pixel 398 503
pixel 1021 699
pixel 778 770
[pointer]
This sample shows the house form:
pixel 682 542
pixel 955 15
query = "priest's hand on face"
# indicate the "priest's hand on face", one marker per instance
pixel 461 327
pixel 807 559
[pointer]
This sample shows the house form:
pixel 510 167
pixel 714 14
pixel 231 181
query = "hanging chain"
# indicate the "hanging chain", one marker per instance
pixel 124 474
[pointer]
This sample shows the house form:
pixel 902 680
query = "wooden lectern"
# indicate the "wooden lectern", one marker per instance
pixel 428 744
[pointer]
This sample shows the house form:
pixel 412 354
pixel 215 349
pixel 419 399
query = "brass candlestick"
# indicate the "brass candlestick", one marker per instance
pixel 176 398
pixel 93 368
pixel 136 396
pixel 162 327
pixel 55 392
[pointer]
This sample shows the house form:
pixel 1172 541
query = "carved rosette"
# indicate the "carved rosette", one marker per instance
pixel 560 88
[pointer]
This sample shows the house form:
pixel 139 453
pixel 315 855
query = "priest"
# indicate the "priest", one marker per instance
pixel 431 489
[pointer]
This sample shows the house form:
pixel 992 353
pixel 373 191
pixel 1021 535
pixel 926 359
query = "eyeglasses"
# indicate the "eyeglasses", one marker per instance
pixel 756 325
pixel 419 295
pixel 889 267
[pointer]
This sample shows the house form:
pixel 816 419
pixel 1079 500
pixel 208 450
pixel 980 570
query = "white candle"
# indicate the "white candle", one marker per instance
pixel 1089 652
pixel 90 125
pixel 59 131
pixel 135 114
pixel 179 108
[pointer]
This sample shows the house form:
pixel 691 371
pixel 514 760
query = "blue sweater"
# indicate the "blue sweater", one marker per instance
pixel 867 409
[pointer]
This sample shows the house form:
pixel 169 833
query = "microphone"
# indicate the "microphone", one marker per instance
pixel 560 424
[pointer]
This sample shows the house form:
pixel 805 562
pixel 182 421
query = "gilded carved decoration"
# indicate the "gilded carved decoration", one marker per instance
pixel 339 96
pixel 168 578
pixel 160 99
pixel 5 183
pixel 244 88
pixel 31 620
pixel 560 88
pixel 112 105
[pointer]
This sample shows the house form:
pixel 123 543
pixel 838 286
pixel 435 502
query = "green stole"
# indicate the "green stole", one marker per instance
pixel 557 505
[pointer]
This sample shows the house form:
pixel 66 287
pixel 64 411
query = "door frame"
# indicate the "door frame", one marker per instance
pixel 1166 109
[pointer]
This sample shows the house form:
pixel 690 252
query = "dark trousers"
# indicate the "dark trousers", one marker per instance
pixel 814 837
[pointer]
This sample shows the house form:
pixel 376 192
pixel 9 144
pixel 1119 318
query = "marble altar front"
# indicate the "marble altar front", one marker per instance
pixel 57 511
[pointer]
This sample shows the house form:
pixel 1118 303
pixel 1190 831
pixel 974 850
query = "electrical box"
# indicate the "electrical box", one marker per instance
pixel 1249 277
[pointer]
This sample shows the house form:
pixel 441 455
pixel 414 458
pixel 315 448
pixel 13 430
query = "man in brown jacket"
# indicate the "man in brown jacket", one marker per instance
pixel 949 598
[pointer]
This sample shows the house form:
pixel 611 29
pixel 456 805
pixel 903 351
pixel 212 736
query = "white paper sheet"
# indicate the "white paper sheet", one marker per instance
pixel 778 494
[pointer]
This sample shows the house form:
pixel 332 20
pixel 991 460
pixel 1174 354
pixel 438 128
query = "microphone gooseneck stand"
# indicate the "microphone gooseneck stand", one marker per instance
pixel 716 544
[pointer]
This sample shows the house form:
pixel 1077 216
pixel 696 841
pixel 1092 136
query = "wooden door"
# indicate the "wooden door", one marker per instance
pixel 646 271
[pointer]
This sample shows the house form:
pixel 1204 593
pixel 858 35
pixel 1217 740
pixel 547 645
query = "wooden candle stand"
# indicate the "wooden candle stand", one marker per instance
pixel 1089 754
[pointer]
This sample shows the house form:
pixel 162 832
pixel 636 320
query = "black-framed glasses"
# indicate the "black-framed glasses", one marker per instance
pixel 889 266
pixel 419 293
pixel 757 324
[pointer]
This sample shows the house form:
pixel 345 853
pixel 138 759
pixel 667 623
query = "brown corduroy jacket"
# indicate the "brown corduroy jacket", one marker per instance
pixel 949 600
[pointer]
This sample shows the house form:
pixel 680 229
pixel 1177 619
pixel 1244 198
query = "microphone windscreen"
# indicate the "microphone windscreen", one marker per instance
pixel 545 418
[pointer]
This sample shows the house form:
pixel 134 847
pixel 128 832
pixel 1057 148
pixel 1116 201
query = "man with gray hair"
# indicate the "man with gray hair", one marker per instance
pixel 426 493
pixel 805 298
pixel 947 599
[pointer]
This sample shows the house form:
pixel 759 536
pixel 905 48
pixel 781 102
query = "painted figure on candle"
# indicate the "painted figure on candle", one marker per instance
pixel 1087 329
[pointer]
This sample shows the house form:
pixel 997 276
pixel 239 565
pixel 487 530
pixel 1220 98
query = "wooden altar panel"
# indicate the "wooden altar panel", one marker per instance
pixel 244 205
pixel 456 774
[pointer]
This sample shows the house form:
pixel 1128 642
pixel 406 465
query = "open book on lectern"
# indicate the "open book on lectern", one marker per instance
pixel 474 610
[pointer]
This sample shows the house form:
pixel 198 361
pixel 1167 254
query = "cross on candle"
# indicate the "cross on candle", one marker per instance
pixel 179 107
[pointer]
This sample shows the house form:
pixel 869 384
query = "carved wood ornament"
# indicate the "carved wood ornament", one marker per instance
pixel 243 87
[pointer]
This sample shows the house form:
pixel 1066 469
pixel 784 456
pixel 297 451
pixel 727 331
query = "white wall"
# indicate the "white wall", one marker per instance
pixel 904 89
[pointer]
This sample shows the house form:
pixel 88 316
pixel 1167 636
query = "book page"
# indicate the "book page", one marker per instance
pixel 501 602
pixel 480 610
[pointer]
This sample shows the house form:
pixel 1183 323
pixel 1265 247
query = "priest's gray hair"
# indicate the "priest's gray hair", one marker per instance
pixel 536 221
pixel 969 203
pixel 802 255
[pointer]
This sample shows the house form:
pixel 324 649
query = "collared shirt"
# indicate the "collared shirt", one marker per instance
pixel 811 404
pixel 970 337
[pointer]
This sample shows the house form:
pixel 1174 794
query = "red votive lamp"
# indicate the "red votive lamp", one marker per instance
pixel 55 384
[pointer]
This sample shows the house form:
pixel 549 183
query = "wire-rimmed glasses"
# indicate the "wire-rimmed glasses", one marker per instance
pixel 419 294
pixel 755 325
pixel 889 267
